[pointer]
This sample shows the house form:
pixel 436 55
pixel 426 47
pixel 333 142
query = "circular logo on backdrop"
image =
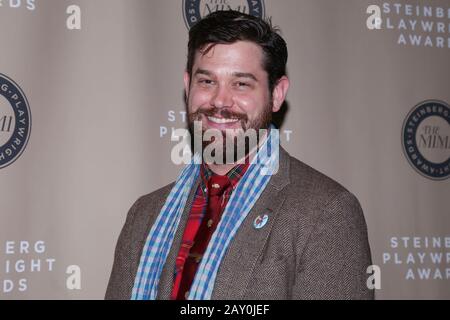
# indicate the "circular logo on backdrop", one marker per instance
pixel 195 10
pixel 15 121
pixel 426 139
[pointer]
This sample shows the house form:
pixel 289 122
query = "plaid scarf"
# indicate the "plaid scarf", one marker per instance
pixel 160 238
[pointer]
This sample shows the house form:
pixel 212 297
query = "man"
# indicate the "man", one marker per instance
pixel 262 226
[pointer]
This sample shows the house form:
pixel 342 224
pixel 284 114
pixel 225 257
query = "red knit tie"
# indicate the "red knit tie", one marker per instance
pixel 216 188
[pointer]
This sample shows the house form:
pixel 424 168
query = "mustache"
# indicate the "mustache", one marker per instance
pixel 224 113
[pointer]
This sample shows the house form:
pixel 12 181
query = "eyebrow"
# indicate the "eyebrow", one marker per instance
pixel 235 74
pixel 204 72
pixel 245 75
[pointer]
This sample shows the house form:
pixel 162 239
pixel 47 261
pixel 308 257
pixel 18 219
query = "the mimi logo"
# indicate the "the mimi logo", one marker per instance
pixel 15 121
pixel 426 139
pixel 195 10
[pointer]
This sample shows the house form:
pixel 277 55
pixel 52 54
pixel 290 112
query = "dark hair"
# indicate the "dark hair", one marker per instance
pixel 226 27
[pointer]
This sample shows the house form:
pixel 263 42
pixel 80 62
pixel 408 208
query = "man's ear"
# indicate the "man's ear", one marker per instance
pixel 187 82
pixel 279 93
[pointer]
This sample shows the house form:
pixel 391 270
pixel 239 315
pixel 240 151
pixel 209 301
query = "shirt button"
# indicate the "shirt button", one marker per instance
pixel 210 223
pixel 186 295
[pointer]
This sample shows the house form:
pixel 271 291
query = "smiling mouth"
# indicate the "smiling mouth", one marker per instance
pixel 222 120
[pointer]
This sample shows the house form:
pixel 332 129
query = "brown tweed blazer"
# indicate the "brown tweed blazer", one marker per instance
pixel 314 245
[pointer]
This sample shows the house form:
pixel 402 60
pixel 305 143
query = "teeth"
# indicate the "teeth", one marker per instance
pixel 221 120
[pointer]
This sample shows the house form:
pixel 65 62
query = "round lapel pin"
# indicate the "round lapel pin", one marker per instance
pixel 260 221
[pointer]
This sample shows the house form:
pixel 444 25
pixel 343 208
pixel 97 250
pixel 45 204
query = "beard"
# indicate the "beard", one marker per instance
pixel 236 143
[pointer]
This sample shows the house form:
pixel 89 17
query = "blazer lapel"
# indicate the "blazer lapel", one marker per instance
pixel 241 257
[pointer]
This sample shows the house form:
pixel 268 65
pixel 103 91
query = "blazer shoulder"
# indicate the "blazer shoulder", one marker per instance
pixel 157 195
pixel 312 182
pixel 131 241
pixel 151 202
pixel 323 197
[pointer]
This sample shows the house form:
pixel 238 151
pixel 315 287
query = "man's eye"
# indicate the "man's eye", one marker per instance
pixel 242 84
pixel 206 81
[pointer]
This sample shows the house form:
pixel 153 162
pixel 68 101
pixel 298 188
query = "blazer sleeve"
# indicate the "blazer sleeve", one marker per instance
pixel 334 262
pixel 122 278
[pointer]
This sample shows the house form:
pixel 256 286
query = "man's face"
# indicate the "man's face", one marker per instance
pixel 228 89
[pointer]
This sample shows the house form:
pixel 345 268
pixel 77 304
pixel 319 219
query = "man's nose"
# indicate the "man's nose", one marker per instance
pixel 222 98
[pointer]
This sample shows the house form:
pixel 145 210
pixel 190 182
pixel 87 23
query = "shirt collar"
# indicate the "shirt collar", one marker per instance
pixel 234 174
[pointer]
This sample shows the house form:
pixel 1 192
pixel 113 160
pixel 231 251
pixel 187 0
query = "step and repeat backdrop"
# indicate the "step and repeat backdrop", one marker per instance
pixel 90 92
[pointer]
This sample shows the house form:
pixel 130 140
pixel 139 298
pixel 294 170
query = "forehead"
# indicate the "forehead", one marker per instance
pixel 241 56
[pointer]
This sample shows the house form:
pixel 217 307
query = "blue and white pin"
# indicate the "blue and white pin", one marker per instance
pixel 260 221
